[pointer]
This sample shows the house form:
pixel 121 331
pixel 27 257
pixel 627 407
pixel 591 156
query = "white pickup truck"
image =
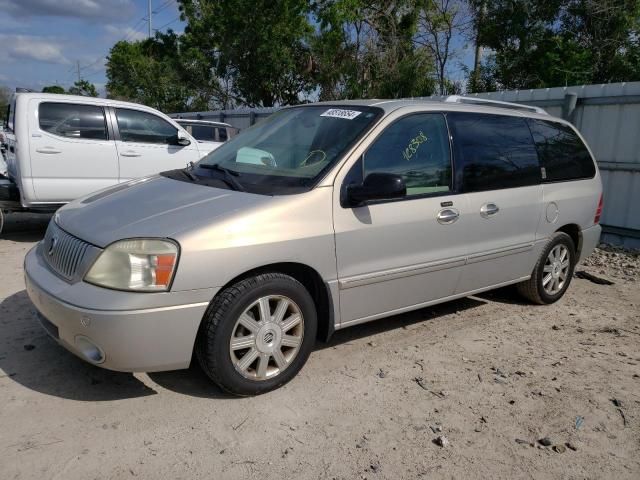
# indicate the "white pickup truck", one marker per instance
pixel 61 147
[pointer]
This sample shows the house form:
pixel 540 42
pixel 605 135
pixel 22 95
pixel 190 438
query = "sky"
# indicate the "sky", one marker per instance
pixel 42 41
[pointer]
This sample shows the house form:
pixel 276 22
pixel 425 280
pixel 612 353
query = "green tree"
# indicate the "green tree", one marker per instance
pixel 548 43
pixel 259 48
pixel 5 95
pixel 84 88
pixel 53 89
pixel 440 21
pixel 368 49
pixel 157 72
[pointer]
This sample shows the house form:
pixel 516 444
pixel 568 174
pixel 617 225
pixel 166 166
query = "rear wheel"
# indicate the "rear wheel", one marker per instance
pixel 553 271
pixel 257 334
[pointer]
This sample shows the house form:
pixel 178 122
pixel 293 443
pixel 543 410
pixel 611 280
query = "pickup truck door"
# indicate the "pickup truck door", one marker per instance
pixel 147 144
pixel 71 148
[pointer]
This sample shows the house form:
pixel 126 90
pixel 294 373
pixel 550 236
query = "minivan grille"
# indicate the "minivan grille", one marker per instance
pixel 62 251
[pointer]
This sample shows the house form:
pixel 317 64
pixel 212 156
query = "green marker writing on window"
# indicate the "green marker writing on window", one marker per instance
pixel 412 148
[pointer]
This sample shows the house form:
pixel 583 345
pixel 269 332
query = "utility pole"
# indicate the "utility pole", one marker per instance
pixel 78 70
pixel 149 15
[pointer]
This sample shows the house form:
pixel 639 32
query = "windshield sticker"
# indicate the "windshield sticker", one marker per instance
pixel 413 146
pixel 339 113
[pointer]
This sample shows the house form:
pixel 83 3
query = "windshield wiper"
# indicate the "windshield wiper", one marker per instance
pixel 228 175
pixel 190 175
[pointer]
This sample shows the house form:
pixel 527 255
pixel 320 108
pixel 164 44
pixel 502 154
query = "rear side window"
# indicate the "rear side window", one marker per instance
pixel 73 120
pixel 143 127
pixel 222 134
pixel 203 132
pixel 493 152
pixel 562 153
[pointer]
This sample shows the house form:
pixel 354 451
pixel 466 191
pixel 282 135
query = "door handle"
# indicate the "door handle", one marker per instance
pixel 49 150
pixel 488 209
pixel 130 154
pixel 447 216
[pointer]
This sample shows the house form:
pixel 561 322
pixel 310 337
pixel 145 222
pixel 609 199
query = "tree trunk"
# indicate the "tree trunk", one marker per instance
pixel 482 10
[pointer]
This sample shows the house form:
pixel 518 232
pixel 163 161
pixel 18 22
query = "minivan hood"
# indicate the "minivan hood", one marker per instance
pixel 155 207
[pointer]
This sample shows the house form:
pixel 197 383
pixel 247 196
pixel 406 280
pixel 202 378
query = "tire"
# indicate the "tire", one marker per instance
pixel 535 289
pixel 236 314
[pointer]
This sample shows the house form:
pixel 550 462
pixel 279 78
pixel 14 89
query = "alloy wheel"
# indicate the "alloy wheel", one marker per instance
pixel 556 269
pixel 267 337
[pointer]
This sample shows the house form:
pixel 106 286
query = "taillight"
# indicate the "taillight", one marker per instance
pixel 598 211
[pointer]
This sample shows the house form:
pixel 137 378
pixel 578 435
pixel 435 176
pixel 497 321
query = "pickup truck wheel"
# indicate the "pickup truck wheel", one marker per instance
pixel 553 271
pixel 257 334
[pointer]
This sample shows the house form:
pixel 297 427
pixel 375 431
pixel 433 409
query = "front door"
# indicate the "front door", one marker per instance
pixel 397 255
pixel 147 145
pixel 499 172
pixel 71 151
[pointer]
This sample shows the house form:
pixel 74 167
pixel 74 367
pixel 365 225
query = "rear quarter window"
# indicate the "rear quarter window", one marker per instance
pixel 203 132
pixel 222 134
pixel 493 152
pixel 562 153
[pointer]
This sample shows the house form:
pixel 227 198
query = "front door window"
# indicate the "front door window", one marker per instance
pixel 415 147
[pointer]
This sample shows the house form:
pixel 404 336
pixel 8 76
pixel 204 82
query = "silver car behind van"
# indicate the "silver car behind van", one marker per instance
pixel 321 217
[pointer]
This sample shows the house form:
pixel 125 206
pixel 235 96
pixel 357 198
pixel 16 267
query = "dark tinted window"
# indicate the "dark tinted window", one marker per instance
pixel 73 120
pixel 143 127
pixel 562 153
pixel 222 134
pixel 493 151
pixel 203 132
pixel 416 148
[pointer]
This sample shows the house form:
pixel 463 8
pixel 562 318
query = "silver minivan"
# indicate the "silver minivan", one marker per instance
pixel 321 217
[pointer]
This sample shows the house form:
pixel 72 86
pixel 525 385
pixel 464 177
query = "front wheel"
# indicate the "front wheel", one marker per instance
pixel 553 271
pixel 257 334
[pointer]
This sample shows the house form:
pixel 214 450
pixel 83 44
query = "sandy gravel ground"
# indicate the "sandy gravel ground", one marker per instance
pixel 491 374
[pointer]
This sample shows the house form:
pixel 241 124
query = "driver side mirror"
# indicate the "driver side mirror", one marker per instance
pixel 377 186
pixel 181 139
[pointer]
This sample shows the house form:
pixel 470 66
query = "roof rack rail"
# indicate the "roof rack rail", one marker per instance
pixel 494 103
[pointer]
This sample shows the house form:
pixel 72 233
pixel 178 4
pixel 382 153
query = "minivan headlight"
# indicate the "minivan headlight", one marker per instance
pixel 142 265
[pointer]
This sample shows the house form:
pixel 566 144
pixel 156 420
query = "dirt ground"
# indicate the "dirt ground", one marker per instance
pixel 491 374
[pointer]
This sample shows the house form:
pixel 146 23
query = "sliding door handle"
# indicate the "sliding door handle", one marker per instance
pixel 447 216
pixel 130 154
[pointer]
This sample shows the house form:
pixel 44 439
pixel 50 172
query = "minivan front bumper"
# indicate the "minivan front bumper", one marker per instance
pixel 141 339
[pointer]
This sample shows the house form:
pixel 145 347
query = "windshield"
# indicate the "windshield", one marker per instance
pixel 291 150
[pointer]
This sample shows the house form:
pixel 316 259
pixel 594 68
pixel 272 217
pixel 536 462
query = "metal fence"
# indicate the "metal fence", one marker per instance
pixel 607 115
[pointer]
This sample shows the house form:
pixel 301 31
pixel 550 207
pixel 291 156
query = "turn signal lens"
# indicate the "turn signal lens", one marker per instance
pixel 164 269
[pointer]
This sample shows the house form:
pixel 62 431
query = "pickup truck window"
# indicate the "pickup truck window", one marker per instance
pixel 143 127
pixel 203 132
pixel 73 120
